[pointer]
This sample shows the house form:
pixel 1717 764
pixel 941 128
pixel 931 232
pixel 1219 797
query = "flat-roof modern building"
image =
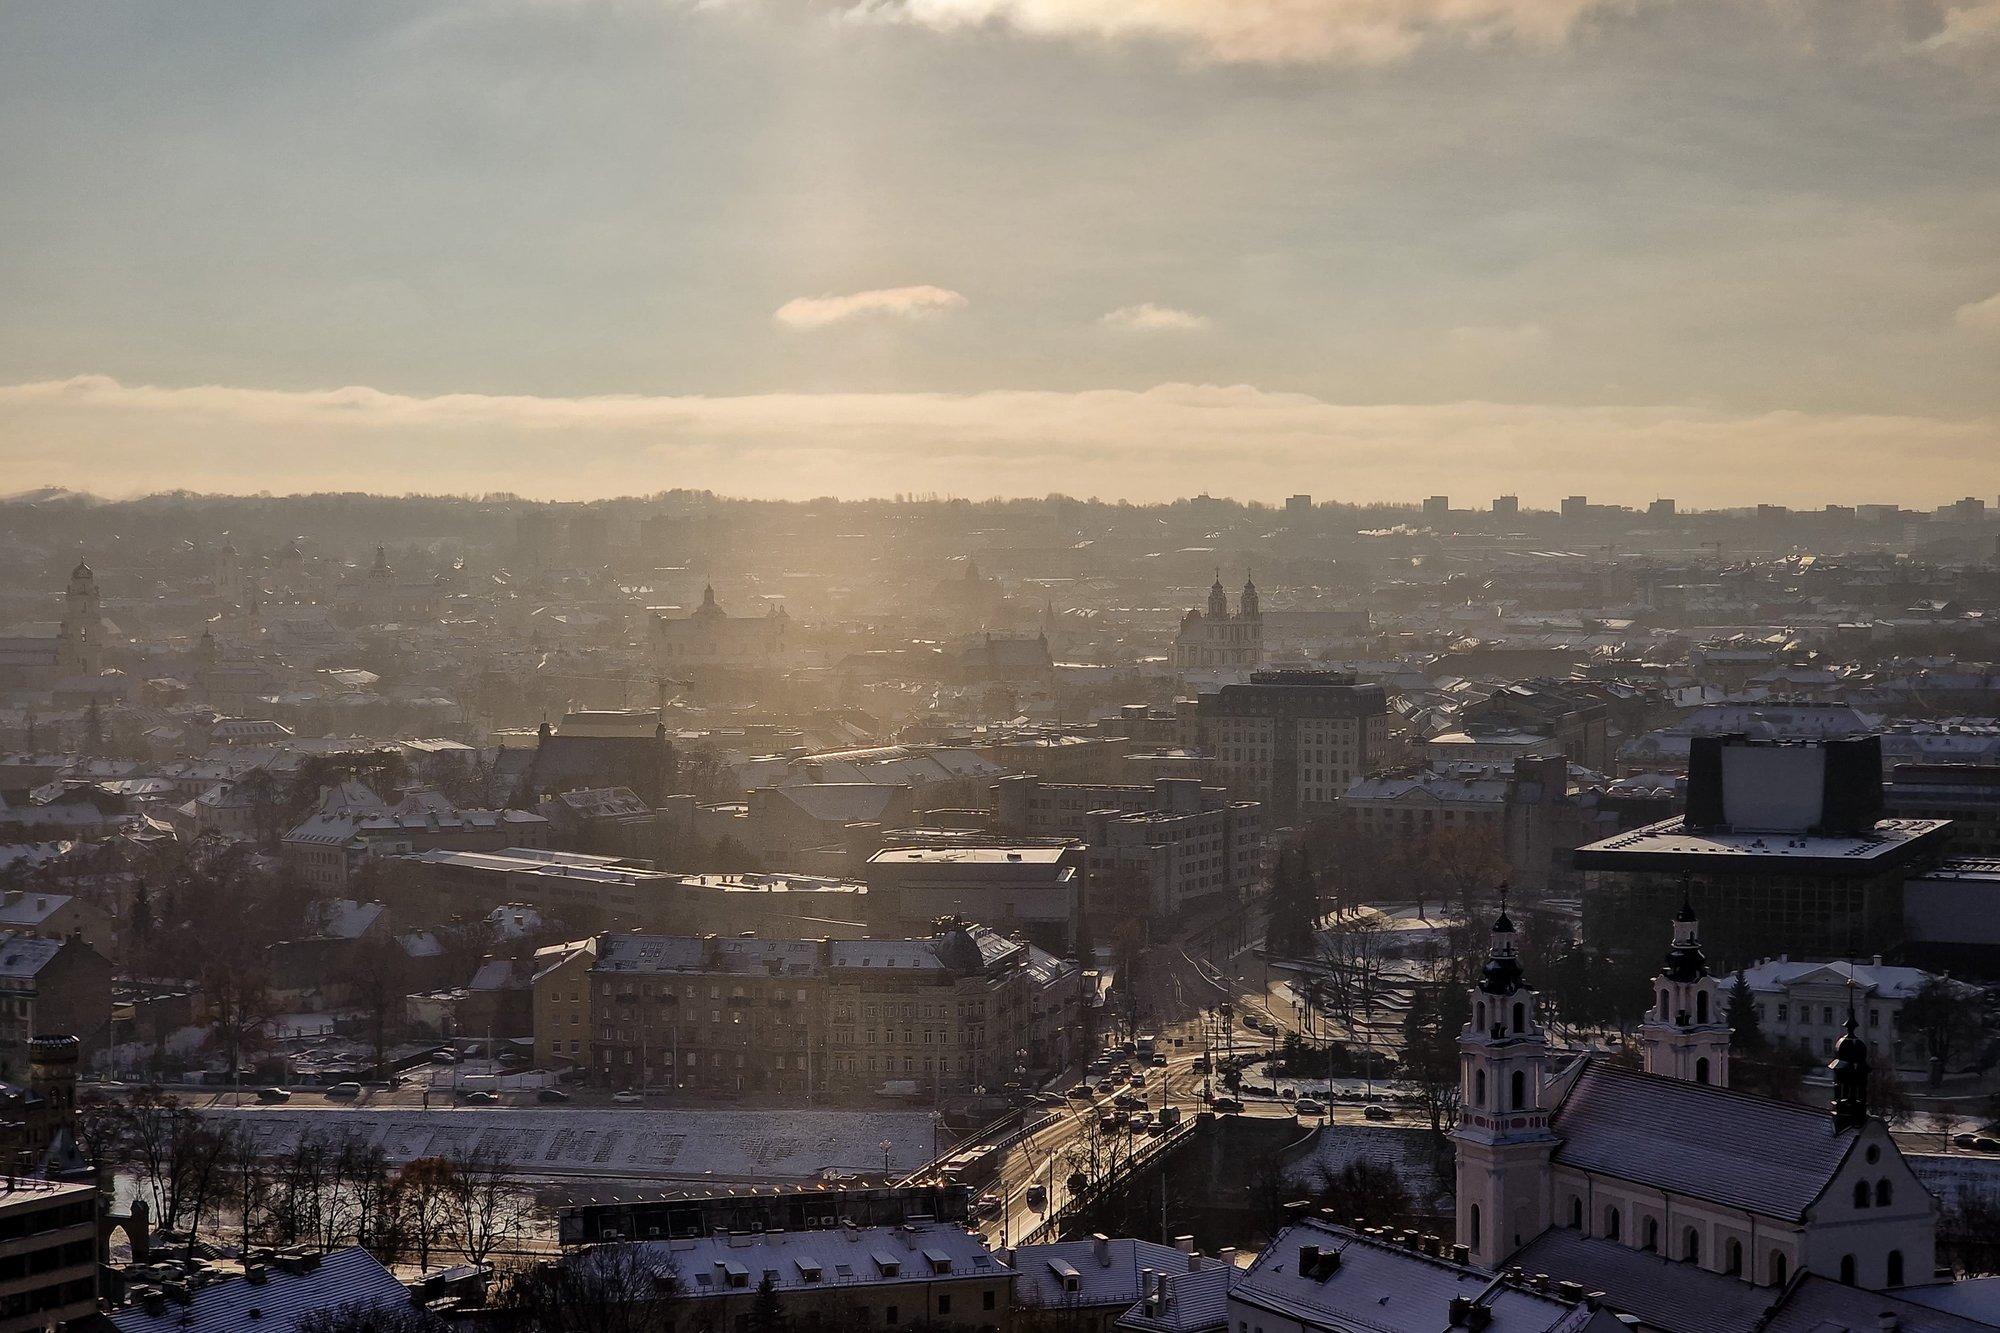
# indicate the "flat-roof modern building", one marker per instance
pixel 1033 888
pixel 1782 848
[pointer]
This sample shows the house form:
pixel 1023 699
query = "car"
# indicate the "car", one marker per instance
pixel 478 1097
pixel 1139 1079
pixel 1138 1123
pixel 1108 1121
pixel 1159 1062
pixel 273 1096
pixel 1965 1140
pixel 1985 1144
pixel 551 1095
pixel 986 1205
pixel 1038 1197
pixel 1125 1101
pixel 1307 1106
pixel 1201 1064
pixel 1377 1111
pixel 1169 1117
pixel 344 1091
pixel 1080 1093
pixel 444 1057
pixel 1106 1088
pixel 628 1097
pixel 1226 1106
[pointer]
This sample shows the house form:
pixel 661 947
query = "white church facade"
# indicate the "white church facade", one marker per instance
pixel 1579 1169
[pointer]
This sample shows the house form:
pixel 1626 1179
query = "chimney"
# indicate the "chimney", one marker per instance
pixel 1100 1248
pixel 1185 1244
pixel 1461 1254
pixel 1227 1255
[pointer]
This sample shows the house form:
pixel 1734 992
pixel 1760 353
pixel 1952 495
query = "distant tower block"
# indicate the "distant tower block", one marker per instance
pixel 1507 506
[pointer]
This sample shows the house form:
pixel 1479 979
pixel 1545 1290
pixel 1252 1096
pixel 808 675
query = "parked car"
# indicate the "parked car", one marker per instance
pixel 1307 1106
pixel 1376 1111
pixel 1965 1140
pixel 551 1095
pixel 344 1091
pixel 444 1057
pixel 1080 1093
pixel 1985 1144
pixel 1226 1106
pixel 273 1096
pixel 628 1097
pixel 478 1097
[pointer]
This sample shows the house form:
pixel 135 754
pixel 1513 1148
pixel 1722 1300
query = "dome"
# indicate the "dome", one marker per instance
pixel 82 571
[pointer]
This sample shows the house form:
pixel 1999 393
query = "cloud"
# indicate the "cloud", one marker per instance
pixel 95 433
pixel 816 312
pixel 1965 26
pixel 1149 318
pixel 1367 32
pixel 1980 316
pixel 1499 341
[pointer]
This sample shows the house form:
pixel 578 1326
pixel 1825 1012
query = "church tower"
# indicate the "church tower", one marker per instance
pixel 1218 600
pixel 1249 608
pixel 1850 1077
pixel 1687 1034
pixel 1503 1136
pixel 79 645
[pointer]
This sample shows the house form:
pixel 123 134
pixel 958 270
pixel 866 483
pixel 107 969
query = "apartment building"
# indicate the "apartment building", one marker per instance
pixel 1294 741
pixel 964 1007
pixel 48 1254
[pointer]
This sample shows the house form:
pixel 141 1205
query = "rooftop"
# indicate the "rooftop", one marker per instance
pixel 1672 844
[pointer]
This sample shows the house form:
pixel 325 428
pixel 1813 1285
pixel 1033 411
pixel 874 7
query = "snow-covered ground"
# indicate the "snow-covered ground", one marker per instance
pixel 697 1145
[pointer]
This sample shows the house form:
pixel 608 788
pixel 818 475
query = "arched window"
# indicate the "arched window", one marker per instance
pixel 1701 1070
pixel 1611 1224
pixel 1576 1211
pixel 1481 1023
pixel 1860 1194
pixel 1649 1233
pixel 1472 1226
pixel 1520 1017
pixel 1895 1268
pixel 1701 1006
pixel 1734 1266
pixel 1882 1193
pixel 1520 1088
pixel 1777 1268
pixel 1479 1087
pixel 1691 1246
pixel 1847 1269
pixel 1665 1013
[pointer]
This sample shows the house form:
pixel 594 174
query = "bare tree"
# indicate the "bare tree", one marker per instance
pixel 485 1202
pixel 424 1193
pixel 378 971
pixel 606 1289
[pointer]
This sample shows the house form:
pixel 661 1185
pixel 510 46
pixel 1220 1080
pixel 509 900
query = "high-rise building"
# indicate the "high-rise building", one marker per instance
pixel 1507 506
pixel 1294 740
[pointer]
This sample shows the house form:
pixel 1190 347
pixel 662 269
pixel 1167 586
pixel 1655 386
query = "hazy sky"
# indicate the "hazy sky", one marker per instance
pixel 1723 250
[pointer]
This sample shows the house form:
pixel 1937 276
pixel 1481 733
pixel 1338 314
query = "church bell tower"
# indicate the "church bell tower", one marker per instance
pixel 1503 1138
pixel 1687 1034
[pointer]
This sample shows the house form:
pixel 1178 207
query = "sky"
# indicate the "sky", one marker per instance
pixel 1726 251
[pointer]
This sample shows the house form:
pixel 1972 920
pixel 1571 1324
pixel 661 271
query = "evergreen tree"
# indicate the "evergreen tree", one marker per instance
pixel 93 730
pixel 1744 1032
pixel 142 912
pixel 767 1314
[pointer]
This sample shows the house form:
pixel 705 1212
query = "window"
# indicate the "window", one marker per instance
pixel 1882 1193
pixel 1691 1246
pixel 1649 1233
pixel 1734 1267
pixel 1860 1194
pixel 1777 1268
pixel 1701 1070
pixel 1479 1088
pixel 1520 1017
pixel 1611 1224
pixel 1472 1226
pixel 1701 1007
pixel 1783 1012
pixel 1520 1089
pixel 1576 1213
pixel 1895 1268
pixel 1847 1269
pixel 944 1305
pixel 986 1299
